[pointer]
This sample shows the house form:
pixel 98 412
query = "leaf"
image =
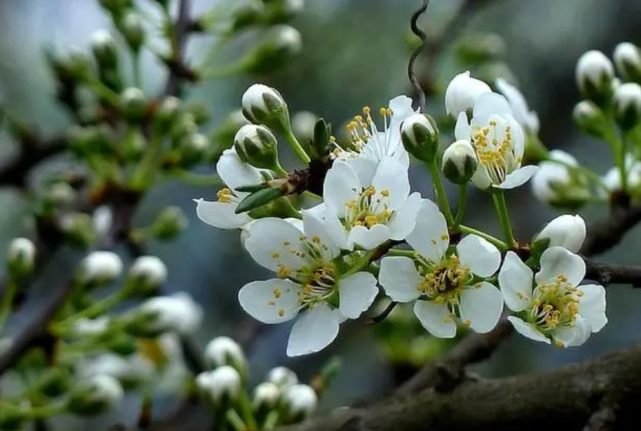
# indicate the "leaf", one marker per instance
pixel 258 199
pixel 252 188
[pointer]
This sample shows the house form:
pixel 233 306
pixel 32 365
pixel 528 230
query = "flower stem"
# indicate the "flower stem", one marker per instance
pixel 489 238
pixel 462 202
pixel 104 92
pixel 248 414
pixel 137 70
pixel 399 252
pixel 271 421
pixel 441 197
pixel 296 146
pixel 622 162
pixel 7 301
pixel 235 420
pixel 95 309
pixel 362 263
pixel 504 218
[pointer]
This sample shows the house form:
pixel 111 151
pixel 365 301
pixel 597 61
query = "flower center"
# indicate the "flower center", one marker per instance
pixel 555 304
pixel 369 209
pixel 442 282
pixel 363 133
pixel 495 150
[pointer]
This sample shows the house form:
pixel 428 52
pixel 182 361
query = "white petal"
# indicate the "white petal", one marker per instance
pixel 592 306
pixel 478 255
pixel 314 330
pixel 404 219
pixel 235 173
pixel 273 242
pixel 490 104
pixel 314 227
pixel 436 318
pixel 515 280
pixel 392 176
pixel 364 167
pixel 220 214
pixel 573 336
pixel 528 330
pixel 399 278
pixel 518 177
pixel 368 238
pixel 401 107
pixel 340 187
pixel 462 129
pixel 516 100
pixel 481 178
pixel 430 236
pixel 271 301
pixel 336 231
pixel 481 306
pixel 357 292
pixel 559 261
pixel 567 231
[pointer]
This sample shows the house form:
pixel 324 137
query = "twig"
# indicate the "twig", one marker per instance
pixel 173 86
pixel 32 152
pixel 609 232
pixel 605 274
pixel 411 74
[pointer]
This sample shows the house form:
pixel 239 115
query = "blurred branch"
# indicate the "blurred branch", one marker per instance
pixel 610 231
pixel 605 274
pixel 33 150
pixel 182 26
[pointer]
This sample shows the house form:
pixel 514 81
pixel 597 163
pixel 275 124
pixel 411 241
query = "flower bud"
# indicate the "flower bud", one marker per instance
pixel 266 397
pixel 594 74
pixel 225 351
pixel 282 377
pixel 303 124
pixel 462 92
pixel 174 313
pixel 627 60
pixel 192 149
pixel 130 372
pixel 301 402
pixel 146 276
pixel 116 7
pixel 133 104
pixel 420 137
pixel 78 228
pixel 566 231
pixel 460 162
pixel 105 49
pixel 100 268
pixel 94 396
pixel 225 133
pixel 169 223
pixel 257 146
pixel 21 256
pixel 223 385
pixel 60 194
pixel 133 31
pixel 247 15
pixel 183 126
pixel 590 119
pixel 75 64
pixel 279 45
pixel 84 327
pixel 558 185
pixel 167 113
pixel 627 105
pixel 283 10
pixel 55 382
pixel 264 105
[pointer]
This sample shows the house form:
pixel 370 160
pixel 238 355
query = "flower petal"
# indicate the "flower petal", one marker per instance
pixel 368 238
pixel 236 173
pixel 592 306
pixel 314 227
pixel 392 176
pixel 518 177
pixel 365 167
pixel 481 178
pixel 515 280
pixel 557 261
pixel 336 231
pixel 357 292
pixel 462 129
pixel 220 214
pixel 399 278
pixel 271 301
pixel 404 219
pixel 430 236
pixel 528 330
pixel 573 336
pixel 314 330
pixel 274 244
pixel 436 318
pixel 481 307
pixel 479 255
pixel 341 186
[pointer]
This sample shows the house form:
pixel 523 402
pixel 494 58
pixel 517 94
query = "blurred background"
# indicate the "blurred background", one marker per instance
pixel 354 54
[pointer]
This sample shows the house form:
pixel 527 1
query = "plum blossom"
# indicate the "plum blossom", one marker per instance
pixel 528 120
pixel 550 305
pixel 310 284
pixel 445 286
pixel 462 93
pixel 567 231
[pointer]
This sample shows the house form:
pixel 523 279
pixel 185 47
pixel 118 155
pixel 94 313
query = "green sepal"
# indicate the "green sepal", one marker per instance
pixel 258 199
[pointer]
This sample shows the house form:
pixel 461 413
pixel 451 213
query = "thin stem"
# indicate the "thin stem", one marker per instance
pixel 235 420
pixel 104 92
pixel 504 218
pixel 622 162
pixel 271 421
pixel 248 414
pixel 7 301
pixel 441 197
pixel 137 70
pixel 462 202
pixel 399 252
pixel 144 174
pixel 362 263
pixel 296 146
pixel 489 238
pixel 95 309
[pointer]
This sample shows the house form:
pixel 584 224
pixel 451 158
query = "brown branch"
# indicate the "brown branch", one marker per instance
pixel 182 29
pixel 606 274
pixel 609 232
pixel 603 419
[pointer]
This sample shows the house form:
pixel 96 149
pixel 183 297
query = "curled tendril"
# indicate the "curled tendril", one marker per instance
pixel 410 66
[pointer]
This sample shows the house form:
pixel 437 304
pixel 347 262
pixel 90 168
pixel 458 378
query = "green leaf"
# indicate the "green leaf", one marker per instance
pixel 258 199
pixel 251 189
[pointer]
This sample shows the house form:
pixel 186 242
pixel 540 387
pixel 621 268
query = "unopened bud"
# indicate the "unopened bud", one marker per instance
pixel 133 104
pixel 224 134
pixel 627 105
pixel 174 313
pixel 146 275
pixel 21 256
pixel 95 396
pixel 222 386
pixel 247 15
pixel 183 126
pixel 225 351
pixel 166 113
pixel 420 137
pixel 192 149
pixel 283 10
pixel 75 64
pixel 54 382
pixel 559 184
pixel 282 377
pixel 257 146
pixel 200 111
pixel 627 59
pixel 590 119
pixel 594 74
pixel 266 397
pixel 301 402
pixel 460 162
pixel 565 231
pixel 169 223
pixel 100 268
pixel 105 49
pixel 133 31
pixel 303 124
pixel 60 194
pixel 116 7
pixel 462 92
pixel 78 228
pixel 130 372
pixel 90 140
pixel 279 45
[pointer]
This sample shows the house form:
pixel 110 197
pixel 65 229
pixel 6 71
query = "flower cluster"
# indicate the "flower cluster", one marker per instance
pixel 365 235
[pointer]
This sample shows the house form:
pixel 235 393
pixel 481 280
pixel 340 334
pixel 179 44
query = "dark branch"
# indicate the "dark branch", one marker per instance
pixel 32 152
pixel 411 74
pixel 606 234
pixel 602 420
pixel 606 274
pixel 182 28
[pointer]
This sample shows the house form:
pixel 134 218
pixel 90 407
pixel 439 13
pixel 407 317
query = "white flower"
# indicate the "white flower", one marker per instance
pixel 21 254
pixel 445 286
pixel 499 142
pixel 627 59
pixel 222 382
pixel 370 145
pixel 551 306
pixel 310 283
pixel 177 312
pixel 593 68
pixel 627 104
pixel 551 177
pixel 282 377
pixel 301 400
pixel 266 395
pixel 565 231
pixel 526 118
pixel 150 270
pixel 368 214
pixel 612 178
pixel 224 351
pixel 462 93
pixel 234 173
pixel 128 370
pixel 101 267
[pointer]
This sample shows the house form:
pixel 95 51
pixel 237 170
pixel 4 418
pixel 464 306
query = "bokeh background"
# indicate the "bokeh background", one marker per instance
pixel 355 54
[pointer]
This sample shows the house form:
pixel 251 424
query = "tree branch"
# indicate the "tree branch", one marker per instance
pixel 609 232
pixel 32 152
pixel 606 274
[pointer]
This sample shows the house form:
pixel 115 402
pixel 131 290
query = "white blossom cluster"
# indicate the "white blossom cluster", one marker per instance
pixel 374 236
